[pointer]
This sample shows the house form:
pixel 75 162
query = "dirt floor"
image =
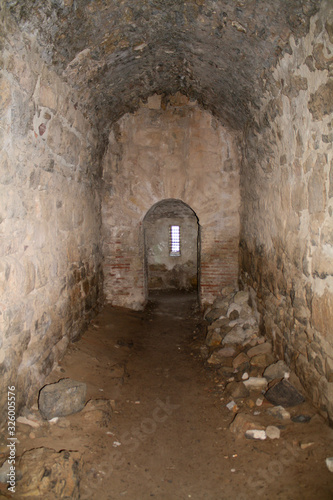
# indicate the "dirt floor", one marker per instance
pixel 168 437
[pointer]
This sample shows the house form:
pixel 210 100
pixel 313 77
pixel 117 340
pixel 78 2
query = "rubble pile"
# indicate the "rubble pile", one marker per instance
pixel 256 385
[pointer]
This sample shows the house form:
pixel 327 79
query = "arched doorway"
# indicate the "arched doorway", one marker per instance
pixel 172 247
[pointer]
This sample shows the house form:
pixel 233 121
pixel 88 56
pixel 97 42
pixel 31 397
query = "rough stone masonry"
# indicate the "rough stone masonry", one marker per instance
pixel 107 108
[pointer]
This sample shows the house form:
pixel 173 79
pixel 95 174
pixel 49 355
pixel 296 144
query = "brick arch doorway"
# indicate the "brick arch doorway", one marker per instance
pixel 169 266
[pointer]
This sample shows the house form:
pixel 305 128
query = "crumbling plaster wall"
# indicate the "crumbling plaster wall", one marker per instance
pixel 287 211
pixel 169 148
pixel 50 274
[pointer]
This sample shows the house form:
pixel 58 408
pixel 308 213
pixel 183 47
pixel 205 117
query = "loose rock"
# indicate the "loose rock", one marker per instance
pixel 240 360
pixel 261 360
pixel 232 405
pixel 304 446
pixel 284 394
pixel 237 390
pixel 218 356
pixel 214 338
pixel 273 432
pixel 256 383
pixel 276 370
pixel 28 421
pixel 4 470
pixel 301 419
pixel 62 398
pixel 51 475
pixel 238 335
pixel 213 315
pixel 256 434
pixel 243 422
pixel 241 297
pixel 329 463
pixel 98 411
pixel 265 348
pixel 279 412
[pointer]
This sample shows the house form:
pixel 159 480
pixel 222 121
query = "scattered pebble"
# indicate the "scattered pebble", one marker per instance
pixel 273 432
pixel 27 421
pixel 231 405
pixel 256 434
pixel 245 376
pixel 329 463
pixel 304 446
pixel 301 419
pixel 279 412
pixel 116 443
pixel 256 383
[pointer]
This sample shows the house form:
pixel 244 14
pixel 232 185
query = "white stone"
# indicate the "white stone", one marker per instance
pixel 304 446
pixel 231 405
pixel 256 434
pixel 329 463
pixel 27 421
pixel 256 383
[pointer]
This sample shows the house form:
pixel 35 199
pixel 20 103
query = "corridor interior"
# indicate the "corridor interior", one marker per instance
pixel 166 206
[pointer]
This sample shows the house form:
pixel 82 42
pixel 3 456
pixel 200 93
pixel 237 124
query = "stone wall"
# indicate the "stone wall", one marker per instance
pixel 50 273
pixel 287 215
pixel 169 148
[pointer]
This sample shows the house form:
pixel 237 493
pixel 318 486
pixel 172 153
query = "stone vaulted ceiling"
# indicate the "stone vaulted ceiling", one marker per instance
pixel 116 52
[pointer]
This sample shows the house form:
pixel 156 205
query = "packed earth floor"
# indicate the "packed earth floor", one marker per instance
pixel 157 425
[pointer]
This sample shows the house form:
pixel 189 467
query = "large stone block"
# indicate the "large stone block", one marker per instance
pixel 22 112
pixel 5 96
pixel 47 97
pixel 330 189
pixel 322 312
pixel 321 102
pixel 62 398
pixel 316 193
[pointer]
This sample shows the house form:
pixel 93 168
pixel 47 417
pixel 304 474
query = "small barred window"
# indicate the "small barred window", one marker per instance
pixel 174 241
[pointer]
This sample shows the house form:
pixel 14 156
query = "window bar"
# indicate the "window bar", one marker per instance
pixel 174 240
